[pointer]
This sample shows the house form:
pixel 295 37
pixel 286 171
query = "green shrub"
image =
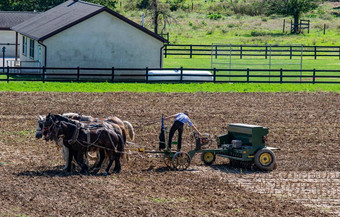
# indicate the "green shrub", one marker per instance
pixel 214 16
pixel 231 25
pixel 177 4
pixel 210 32
pixel 143 4
pixel 255 33
pixel 264 19
pixel 255 8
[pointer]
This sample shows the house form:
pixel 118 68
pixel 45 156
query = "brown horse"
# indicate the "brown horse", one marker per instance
pixel 80 140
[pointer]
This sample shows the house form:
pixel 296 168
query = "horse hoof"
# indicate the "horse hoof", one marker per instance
pixel 95 171
pixel 84 172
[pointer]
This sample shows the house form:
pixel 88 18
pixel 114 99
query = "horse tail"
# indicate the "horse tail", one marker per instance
pixel 120 147
pixel 128 126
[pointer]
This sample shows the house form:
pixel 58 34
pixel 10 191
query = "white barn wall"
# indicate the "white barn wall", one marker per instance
pixel 7 36
pixel 103 41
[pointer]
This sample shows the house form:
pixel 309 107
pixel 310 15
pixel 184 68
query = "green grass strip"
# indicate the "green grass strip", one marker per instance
pixel 166 88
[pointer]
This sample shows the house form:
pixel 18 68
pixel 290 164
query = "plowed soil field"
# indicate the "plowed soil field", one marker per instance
pixel 305 126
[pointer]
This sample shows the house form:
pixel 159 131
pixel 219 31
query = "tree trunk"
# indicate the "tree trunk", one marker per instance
pixel 296 28
pixel 155 16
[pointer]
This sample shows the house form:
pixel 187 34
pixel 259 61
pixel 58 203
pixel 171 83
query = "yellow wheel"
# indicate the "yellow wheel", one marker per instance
pixel 265 159
pixel 208 158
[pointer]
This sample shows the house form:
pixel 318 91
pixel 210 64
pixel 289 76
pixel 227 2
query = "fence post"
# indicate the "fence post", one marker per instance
pixel 284 25
pixel 214 75
pixel 291 26
pixel 78 74
pixel 314 76
pixel 308 25
pixel 266 51
pixel 280 75
pixel 300 27
pixel 324 29
pixel 147 74
pixel 247 75
pixel 165 50
pixel 291 52
pixel 43 74
pixel 3 58
pixel 215 51
pixel 7 74
pixel 113 75
pixel 181 74
pixel 190 51
pixel 241 51
pixel 315 52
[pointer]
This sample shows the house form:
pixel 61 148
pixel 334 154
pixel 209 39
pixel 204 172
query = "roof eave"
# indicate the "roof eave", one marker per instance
pixel 28 35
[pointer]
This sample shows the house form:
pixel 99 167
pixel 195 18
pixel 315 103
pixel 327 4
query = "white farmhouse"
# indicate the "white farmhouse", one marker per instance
pixel 78 33
pixel 8 36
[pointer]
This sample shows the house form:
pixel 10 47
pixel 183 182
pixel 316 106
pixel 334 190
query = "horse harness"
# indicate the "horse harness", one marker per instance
pixel 87 131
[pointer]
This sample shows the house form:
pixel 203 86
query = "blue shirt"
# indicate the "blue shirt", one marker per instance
pixel 183 118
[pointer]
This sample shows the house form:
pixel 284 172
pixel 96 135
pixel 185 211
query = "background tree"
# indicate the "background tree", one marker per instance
pixel 293 8
pixel 160 13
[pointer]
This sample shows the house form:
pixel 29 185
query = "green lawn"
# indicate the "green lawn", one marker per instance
pixel 308 63
pixel 190 88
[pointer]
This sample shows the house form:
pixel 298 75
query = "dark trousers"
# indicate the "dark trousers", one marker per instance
pixel 176 126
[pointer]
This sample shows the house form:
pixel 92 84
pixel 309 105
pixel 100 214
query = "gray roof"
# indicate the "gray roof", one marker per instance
pixel 9 19
pixel 66 15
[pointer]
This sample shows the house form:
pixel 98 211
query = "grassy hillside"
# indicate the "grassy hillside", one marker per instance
pixel 221 22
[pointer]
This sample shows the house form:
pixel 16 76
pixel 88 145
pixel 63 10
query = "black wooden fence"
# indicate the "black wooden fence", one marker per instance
pixel 251 50
pixel 142 75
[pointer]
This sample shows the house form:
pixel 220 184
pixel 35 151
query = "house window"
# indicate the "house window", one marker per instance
pixel 31 48
pixel 24 45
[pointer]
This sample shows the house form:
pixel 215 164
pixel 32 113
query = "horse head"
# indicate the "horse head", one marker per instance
pixel 40 126
pixel 48 124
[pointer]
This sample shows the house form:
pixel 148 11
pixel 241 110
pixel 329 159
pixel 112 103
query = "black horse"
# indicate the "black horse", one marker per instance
pixel 81 140
pixel 47 128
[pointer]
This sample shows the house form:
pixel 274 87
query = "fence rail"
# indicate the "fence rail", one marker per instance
pixel 251 50
pixel 142 75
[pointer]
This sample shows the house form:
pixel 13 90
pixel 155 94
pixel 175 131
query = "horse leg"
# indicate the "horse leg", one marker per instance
pixel 118 166
pixel 111 159
pixel 119 154
pixel 66 156
pixel 69 157
pixel 79 156
pixel 99 162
